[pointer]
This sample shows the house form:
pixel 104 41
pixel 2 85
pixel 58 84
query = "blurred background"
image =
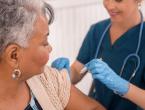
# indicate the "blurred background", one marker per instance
pixel 72 21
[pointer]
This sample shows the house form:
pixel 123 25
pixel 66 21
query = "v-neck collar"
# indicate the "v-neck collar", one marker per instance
pixel 126 37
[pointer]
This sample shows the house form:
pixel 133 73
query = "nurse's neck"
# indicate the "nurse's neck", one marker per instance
pixel 128 23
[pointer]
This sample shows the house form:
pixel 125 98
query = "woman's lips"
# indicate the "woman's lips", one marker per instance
pixel 113 14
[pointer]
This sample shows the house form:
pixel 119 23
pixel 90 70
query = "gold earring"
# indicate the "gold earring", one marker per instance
pixel 16 74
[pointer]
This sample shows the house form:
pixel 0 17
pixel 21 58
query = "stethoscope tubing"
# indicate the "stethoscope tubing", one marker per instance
pixel 135 54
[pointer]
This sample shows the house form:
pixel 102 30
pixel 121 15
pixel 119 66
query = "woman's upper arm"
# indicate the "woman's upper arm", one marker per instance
pixel 79 101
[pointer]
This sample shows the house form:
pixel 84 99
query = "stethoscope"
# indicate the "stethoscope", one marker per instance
pixel 135 54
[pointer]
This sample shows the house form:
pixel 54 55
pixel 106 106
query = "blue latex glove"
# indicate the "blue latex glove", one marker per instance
pixel 61 63
pixel 101 71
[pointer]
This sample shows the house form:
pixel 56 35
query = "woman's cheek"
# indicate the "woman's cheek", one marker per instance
pixel 43 56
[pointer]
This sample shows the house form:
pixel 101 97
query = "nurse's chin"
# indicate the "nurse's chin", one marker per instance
pixel 116 20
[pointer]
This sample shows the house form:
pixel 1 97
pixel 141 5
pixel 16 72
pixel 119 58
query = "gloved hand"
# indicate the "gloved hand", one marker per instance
pixel 61 63
pixel 101 71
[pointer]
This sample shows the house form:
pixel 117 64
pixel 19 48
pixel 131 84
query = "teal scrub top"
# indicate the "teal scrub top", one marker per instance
pixel 114 55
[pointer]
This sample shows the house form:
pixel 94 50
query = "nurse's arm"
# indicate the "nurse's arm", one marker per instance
pixel 79 101
pixel 75 75
pixel 136 95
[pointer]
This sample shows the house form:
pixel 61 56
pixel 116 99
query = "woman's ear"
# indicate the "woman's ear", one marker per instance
pixel 12 54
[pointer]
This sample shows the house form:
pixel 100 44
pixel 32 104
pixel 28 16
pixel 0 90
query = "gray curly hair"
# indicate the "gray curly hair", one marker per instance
pixel 17 19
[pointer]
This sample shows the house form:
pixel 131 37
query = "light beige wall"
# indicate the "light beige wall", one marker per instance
pixel 72 21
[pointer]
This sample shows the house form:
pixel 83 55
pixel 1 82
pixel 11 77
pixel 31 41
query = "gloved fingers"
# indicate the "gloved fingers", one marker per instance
pixel 104 67
pixel 60 63
pixel 92 64
pixel 54 64
pixel 66 64
pixel 99 62
pixel 95 68
pixel 65 59
pixel 99 77
pixel 94 71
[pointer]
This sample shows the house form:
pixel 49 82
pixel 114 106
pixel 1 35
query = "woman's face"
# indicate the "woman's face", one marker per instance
pixel 120 10
pixel 34 58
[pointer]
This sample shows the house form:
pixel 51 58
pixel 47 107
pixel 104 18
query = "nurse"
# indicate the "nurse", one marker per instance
pixel 121 35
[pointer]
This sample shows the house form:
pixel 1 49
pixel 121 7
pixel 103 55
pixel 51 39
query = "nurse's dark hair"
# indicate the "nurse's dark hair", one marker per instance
pixel 17 18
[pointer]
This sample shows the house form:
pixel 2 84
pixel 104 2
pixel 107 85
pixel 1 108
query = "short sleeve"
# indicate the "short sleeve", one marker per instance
pixel 86 48
pixel 60 85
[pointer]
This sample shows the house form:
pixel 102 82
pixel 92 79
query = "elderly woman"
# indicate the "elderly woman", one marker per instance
pixel 24 51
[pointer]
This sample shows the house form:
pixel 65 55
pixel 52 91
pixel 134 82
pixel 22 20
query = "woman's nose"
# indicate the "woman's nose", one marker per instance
pixel 110 4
